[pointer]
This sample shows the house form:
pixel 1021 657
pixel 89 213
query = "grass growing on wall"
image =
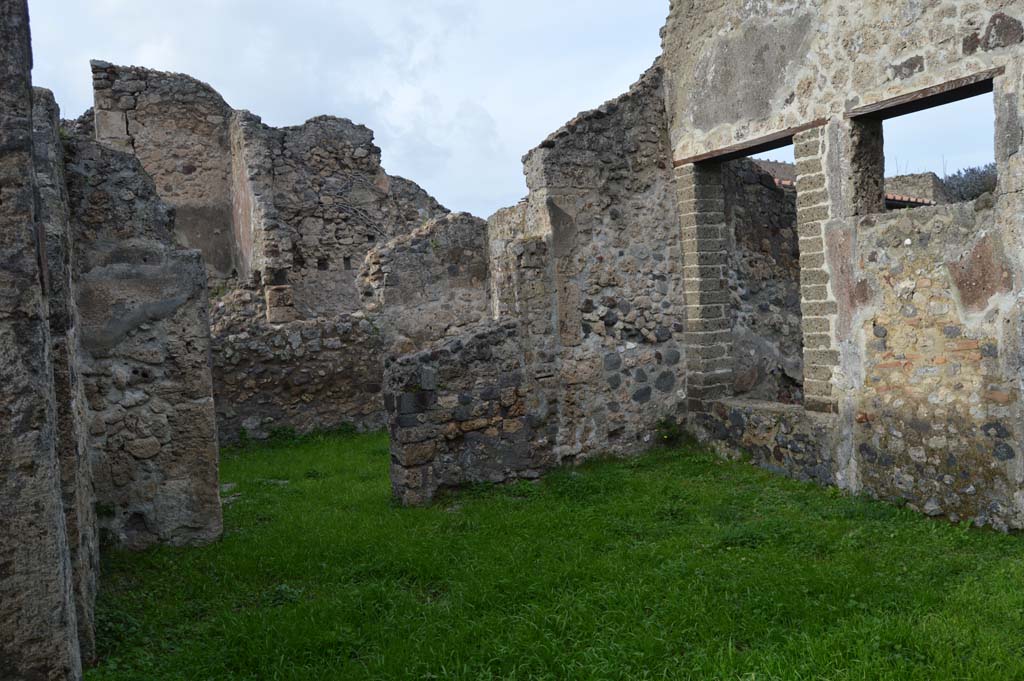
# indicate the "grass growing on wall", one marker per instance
pixel 675 565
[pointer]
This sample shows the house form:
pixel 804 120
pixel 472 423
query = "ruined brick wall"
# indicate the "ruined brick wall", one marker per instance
pixel 145 356
pixel 72 412
pixel 911 319
pixel 178 129
pixel 38 628
pixel 317 374
pixel 460 414
pixel 764 285
pixel 429 284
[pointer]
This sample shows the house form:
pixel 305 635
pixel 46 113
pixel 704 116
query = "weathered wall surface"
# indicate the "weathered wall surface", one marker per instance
pixel 783 438
pixel 429 284
pixel 938 414
pixel 338 203
pixel 919 186
pixel 588 273
pixel 145 354
pixel 286 214
pixel 317 374
pixel 764 285
pixel 911 319
pixel 309 203
pixel 178 129
pixel 741 70
pixel 38 629
pixel 602 190
pixel 460 415
pixel 72 412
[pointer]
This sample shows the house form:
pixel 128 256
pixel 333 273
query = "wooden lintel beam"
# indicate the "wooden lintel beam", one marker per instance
pixel 929 97
pixel 750 147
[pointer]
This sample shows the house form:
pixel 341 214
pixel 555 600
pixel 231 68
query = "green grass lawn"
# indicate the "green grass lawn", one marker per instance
pixel 676 565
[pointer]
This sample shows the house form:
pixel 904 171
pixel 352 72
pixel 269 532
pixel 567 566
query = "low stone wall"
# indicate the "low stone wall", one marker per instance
pixel 785 439
pixel 926 186
pixel 306 375
pixel 460 415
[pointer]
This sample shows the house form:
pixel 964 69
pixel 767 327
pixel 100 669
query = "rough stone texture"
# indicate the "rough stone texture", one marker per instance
pixel 460 415
pixel 785 439
pixel 178 129
pixel 317 374
pixel 587 270
pixel 920 186
pixel 602 193
pixel 764 283
pixel 72 411
pixel 38 628
pixel 938 416
pixel 284 214
pixel 911 319
pixel 309 203
pixel 323 202
pixel 740 70
pixel 145 355
pixel 429 284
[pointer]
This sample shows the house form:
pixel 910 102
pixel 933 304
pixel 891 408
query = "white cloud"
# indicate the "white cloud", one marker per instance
pixel 456 90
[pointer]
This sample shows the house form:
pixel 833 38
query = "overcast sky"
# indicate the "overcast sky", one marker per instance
pixel 456 90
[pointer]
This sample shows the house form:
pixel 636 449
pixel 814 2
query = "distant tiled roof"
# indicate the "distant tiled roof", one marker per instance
pixel 900 200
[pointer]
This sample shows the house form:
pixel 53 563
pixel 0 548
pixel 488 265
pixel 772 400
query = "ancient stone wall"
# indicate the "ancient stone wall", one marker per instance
pixel 331 203
pixel 178 128
pixel 72 412
pixel 461 415
pixel 910 318
pixel 602 189
pixel 587 273
pixel 764 284
pixel 938 418
pixel 430 284
pixel 284 214
pixel 927 186
pixel 38 628
pixel 145 355
pixel 316 374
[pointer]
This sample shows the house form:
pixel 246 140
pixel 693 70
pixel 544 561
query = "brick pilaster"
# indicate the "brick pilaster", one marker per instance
pixel 708 338
pixel 818 302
